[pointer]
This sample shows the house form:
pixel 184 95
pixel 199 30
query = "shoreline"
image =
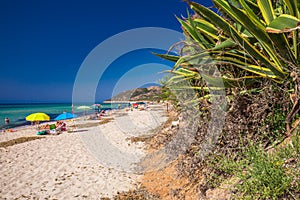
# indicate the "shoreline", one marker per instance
pixel 52 109
pixel 64 166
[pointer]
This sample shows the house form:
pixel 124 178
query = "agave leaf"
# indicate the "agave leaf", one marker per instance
pixel 252 15
pixel 242 81
pixel 190 60
pixel 230 30
pixel 243 31
pixel 260 34
pixel 180 76
pixel 261 71
pixel 235 3
pixel 226 7
pixel 225 44
pixel 267 10
pixel 177 80
pixel 253 6
pixel 168 57
pixel 205 89
pixel 192 33
pixel 180 61
pixel 213 81
pixel 210 26
pixel 206 28
pixel 283 45
pixel 234 55
pixel 225 82
pixel 247 20
pixel 293 7
pixel 218 83
pixel 207 41
pixel 188 71
pixel 283 23
pixel 277 28
pixel 191 29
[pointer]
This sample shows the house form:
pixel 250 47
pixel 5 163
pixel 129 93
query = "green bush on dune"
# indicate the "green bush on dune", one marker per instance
pixel 254 45
pixel 263 175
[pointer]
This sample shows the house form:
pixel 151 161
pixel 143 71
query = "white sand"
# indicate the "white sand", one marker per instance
pixel 91 163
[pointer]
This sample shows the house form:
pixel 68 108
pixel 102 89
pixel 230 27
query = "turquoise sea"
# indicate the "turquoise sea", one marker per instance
pixel 17 112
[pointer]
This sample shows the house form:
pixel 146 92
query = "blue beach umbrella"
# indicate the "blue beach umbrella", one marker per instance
pixel 65 116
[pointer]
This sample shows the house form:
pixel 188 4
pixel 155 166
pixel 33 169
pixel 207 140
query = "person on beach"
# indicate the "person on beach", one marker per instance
pixel 100 115
pixel 6 120
pixel 60 126
pixel 51 129
pixel 46 126
pixel 43 129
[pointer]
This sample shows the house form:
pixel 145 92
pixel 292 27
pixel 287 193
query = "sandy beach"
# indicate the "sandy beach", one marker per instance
pixel 95 160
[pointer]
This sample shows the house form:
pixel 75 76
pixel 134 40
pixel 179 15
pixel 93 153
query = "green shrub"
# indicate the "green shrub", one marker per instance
pixel 262 175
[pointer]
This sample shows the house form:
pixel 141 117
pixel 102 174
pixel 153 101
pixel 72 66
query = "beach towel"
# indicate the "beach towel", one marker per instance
pixel 52 126
pixel 44 132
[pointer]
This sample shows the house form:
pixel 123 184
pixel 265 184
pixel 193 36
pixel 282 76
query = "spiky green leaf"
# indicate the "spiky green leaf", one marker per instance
pixel 267 10
pixel 284 23
pixel 292 6
pixel 169 57
pixel 225 44
pixel 230 30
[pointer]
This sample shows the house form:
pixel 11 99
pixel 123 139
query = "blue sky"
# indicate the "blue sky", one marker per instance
pixel 43 43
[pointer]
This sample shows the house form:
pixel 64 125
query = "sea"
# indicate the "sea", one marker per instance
pixel 16 113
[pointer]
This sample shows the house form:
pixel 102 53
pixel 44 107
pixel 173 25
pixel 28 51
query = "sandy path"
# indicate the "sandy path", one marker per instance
pixel 88 164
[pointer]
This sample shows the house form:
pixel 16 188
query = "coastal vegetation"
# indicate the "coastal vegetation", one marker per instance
pixel 249 49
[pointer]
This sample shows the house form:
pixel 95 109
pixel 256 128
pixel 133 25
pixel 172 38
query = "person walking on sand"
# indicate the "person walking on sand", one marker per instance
pixel 6 120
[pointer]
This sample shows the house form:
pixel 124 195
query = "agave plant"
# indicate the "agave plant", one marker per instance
pixel 248 41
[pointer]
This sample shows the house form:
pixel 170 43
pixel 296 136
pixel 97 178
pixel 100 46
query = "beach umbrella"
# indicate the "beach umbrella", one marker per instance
pixel 85 108
pixel 65 116
pixel 98 106
pixel 38 117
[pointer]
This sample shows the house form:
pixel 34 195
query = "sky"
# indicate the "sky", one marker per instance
pixel 43 44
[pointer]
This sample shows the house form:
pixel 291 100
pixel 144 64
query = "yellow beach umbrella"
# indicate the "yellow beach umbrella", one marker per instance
pixel 38 117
